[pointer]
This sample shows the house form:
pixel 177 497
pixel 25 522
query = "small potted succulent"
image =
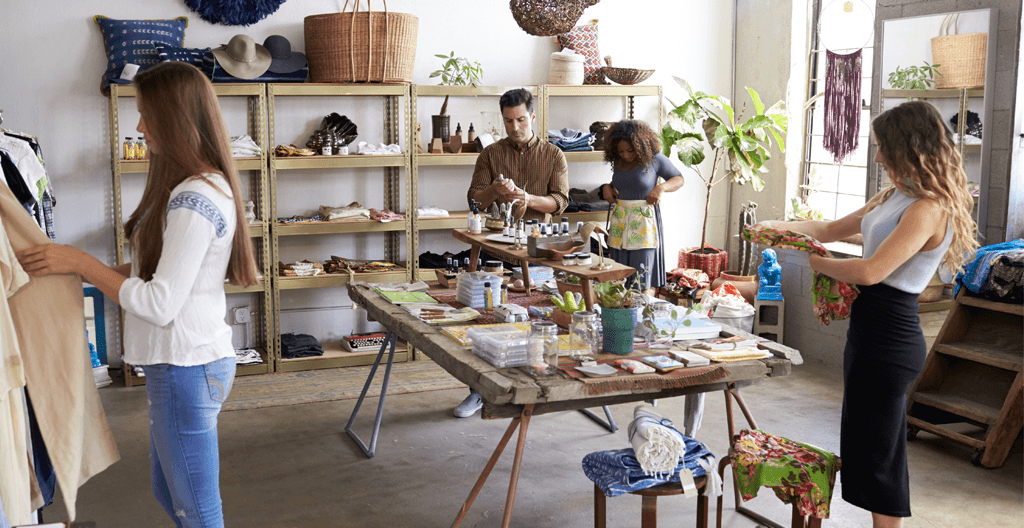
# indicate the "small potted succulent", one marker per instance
pixel 565 306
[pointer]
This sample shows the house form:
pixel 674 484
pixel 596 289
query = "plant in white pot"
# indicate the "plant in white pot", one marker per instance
pixel 456 71
pixel 740 149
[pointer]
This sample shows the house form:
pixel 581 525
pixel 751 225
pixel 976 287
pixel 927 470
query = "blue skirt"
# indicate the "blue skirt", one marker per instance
pixel 885 352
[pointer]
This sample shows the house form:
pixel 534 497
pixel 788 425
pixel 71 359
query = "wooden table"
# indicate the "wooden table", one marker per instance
pixel 505 252
pixel 509 393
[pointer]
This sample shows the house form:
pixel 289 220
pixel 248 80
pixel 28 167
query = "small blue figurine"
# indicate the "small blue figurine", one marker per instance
pixel 770 288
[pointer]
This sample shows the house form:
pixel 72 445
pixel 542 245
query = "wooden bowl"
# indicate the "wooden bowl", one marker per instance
pixel 559 250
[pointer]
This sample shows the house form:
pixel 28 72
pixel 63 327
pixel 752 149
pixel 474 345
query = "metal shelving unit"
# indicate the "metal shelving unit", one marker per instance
pixel 396 99
pixel 259 230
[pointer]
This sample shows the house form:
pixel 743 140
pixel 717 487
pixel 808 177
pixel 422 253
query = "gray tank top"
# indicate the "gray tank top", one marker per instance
pixel 913 275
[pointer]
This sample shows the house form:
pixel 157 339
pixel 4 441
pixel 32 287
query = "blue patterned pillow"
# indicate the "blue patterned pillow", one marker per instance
pixel 134 41
pixel 193 56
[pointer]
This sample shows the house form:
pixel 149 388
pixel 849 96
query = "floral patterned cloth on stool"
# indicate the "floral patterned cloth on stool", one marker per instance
pixel 797 473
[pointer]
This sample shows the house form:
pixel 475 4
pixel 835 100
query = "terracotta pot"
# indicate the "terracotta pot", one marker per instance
pixel 746 284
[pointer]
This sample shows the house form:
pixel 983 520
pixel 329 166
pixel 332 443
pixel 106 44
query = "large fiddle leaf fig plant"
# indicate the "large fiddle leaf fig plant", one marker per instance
pixel 741 148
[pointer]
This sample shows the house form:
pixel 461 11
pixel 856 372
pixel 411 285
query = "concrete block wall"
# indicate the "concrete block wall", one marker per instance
pixel 817 343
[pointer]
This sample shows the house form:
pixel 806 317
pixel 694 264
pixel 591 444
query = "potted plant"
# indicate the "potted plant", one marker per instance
pixel 619 315
pixel 456 71
pixel 740 148
pixel 914 77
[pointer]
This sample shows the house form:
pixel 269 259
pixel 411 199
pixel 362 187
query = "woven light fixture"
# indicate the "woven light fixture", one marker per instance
pixel 547 18
pixel 233 12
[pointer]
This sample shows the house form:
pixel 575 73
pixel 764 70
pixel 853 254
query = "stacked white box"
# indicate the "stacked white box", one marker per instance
pixel 470 290
pixel 502 346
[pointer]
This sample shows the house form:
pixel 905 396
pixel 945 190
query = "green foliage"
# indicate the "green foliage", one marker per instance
pixel 914 77
pixel 705 121
pixel 800 210
pixel 458 71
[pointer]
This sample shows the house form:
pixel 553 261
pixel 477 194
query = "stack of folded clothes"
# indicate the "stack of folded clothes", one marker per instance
pixel 344 265
pixel 580 200
pixel 244 147
pixel 300 345
pixel 571 140
pixel 303 268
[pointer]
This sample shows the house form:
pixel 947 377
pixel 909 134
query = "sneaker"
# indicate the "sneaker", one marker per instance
pixel 469 406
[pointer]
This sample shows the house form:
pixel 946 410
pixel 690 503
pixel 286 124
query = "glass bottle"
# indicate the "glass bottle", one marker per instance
pixel 327 149
pixel 584 336
pixel 128 148
pixel 543 349
pixel 141 152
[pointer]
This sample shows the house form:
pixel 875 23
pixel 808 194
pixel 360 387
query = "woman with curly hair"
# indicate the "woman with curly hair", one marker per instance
pixel 921 222
pixel 636 240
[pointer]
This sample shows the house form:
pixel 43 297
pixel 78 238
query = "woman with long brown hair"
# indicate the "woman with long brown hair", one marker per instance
pixel 187 235
pixel 634 152
pixel 923 221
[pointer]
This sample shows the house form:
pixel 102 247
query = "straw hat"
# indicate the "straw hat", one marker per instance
pixel 242 57
pixel 284 59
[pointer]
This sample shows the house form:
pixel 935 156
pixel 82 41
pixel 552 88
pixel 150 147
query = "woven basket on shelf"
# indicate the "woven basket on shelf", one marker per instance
pixel 361 46
pixel 961 58
pixel 625 76
pixel 546 18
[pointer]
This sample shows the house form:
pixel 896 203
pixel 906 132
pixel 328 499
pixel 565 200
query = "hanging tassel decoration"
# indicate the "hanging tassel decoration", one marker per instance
pixel 842 104
pixel 233 12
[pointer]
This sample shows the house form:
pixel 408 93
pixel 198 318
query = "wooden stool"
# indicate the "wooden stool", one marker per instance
pixel 649 503
pixel 798 520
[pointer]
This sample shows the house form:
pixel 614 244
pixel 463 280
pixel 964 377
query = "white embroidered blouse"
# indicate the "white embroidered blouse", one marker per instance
pixel 178 316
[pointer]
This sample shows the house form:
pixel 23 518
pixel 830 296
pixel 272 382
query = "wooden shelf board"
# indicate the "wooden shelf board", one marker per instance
pixel 937 93
pixel 256 229
pixel 338 279
pixel 142 166
pixel 958 405
pixel 980 302
pixel 258 287
pixel 996 357
pixel 335 356
pixel 351 226
pixel 455 220
pixel 128 90
pixel 252 370
pixel 936 306
pixel 597 155
pixel 602 90
pixel 338 162
pixel 433 160
pixel 436 90
pixel 335 89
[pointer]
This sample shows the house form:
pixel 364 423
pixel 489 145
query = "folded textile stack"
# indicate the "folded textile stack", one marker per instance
pixel 586 201
pixel 303 268
pixel 247 356
pixel 432 212
pixel 101 375
pixel 300 345
pixel 621 471
pixel 995 272
pixel 571 140
pixel 244 147
pixel 378 149
pixel 344 265
pixel 352 211
pixel 385 215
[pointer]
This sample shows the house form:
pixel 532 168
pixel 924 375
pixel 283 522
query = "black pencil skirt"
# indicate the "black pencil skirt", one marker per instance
pixel 885 351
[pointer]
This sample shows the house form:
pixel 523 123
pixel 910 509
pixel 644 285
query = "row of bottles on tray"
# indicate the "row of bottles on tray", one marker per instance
pixel 134 149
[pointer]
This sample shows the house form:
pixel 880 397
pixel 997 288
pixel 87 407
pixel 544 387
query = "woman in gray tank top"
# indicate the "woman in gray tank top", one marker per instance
pixel 921 222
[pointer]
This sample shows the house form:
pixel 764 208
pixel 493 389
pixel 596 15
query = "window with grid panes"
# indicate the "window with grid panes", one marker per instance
pixel 828 188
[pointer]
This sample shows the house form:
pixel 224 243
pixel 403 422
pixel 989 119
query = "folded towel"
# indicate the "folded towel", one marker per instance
pixel 379 149
pixel 657 447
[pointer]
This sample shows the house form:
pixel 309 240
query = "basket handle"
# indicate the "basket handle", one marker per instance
pixel 951 18
pixel 369 49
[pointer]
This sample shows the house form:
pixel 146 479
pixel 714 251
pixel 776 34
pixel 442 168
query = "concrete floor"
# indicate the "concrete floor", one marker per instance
pixel 296 467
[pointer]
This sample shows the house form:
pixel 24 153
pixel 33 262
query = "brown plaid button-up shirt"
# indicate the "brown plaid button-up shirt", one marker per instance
pixel 540 168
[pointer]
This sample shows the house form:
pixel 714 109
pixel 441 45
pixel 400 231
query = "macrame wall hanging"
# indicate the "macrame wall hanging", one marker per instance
pixel 233 12
pixel 841 29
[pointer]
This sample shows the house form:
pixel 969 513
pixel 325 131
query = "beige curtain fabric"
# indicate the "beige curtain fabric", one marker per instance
pixel 50 324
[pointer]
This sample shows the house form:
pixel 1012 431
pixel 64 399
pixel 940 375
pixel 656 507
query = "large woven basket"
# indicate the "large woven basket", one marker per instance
pixel 361 46
pixel 961 58
pixel 547 18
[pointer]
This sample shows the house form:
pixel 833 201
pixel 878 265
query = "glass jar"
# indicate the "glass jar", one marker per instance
pixel 141 152
pixel 584 336
pixel 543 349
pixel 128 149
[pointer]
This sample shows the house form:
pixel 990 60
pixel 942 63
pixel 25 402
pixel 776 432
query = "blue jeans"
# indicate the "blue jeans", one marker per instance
pixel 183 449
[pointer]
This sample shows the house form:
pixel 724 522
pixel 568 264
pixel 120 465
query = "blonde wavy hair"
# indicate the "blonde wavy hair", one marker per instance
pixel 918 149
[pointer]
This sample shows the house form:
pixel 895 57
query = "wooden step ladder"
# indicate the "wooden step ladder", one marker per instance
pixel 973 375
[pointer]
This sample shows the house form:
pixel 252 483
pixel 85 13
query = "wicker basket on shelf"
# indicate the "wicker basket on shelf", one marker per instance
pixel 624 75
pixel 547 18
pixel 961 58
pixel 361 46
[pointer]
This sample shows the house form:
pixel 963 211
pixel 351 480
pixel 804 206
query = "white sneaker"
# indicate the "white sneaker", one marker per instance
pixel 469 406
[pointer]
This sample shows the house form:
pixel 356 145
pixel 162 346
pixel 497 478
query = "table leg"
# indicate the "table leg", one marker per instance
pixel 608 424
pixel 588 293
pixel 516 464
pixel 369 451
pixel 525 266
pixel 474 257
pixel 487 470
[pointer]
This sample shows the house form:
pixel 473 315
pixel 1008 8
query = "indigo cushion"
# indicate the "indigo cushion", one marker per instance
pixel 134 41
pixel 193 56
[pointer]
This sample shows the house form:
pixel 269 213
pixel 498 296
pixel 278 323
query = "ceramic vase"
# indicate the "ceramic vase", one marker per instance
pixel 441 127
pixel 618 324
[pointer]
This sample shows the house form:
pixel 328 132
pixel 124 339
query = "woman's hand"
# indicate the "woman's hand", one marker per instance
pixel 816 260
pixel 654 197
pixel 50 259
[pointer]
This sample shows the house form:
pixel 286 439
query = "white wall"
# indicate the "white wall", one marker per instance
pixel 50 77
